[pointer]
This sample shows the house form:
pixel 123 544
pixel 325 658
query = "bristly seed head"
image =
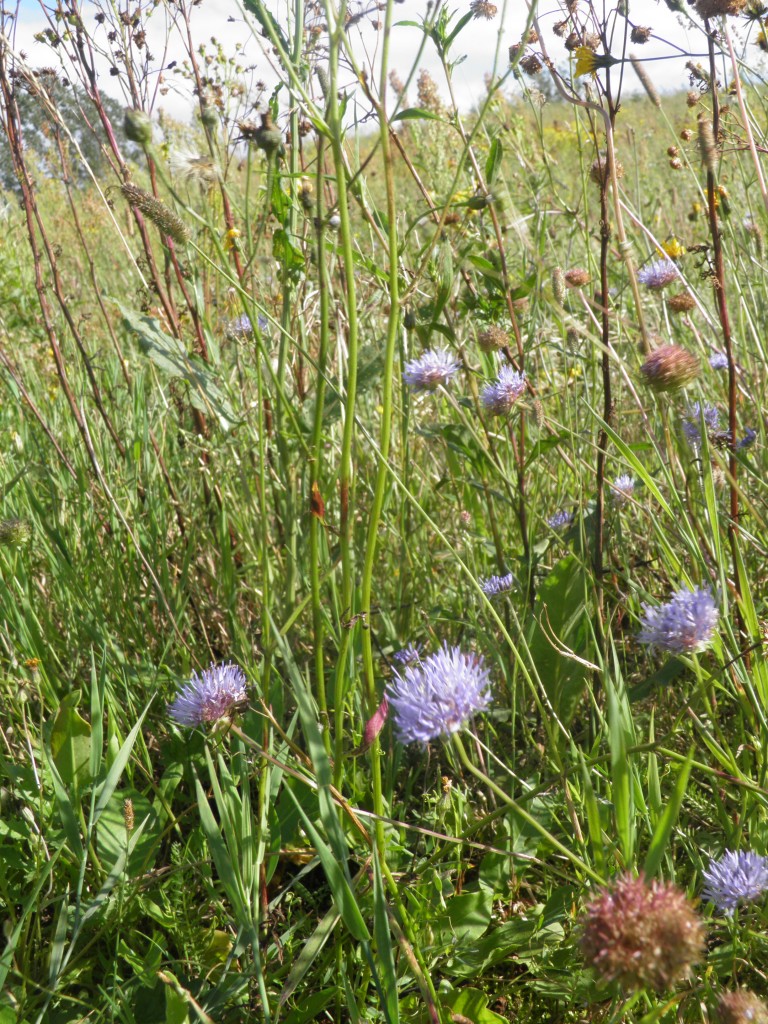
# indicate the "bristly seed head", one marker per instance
pixel 669 368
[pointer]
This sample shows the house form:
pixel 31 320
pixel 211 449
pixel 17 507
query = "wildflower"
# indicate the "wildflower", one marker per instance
pixel 483 9
pixel 738 876
pixel 741 1007
pixel 499 397
pixel 209 696
pixel 750 436
pixel 430 370
pixel 231 239
pixel 373 727
pixel 692 423
pixel 241 326
pixel 492 338
pixel 408 655
pixel 439 695
pixel 560 520
pixel 14 533
pixel 496 585
pixel 718 361
pixel 658 274
pixel 640 934
pixel 622 489
pixel 669 368
pixel 588 62
pixel 672 247
pixel 684 624
pixel 714 8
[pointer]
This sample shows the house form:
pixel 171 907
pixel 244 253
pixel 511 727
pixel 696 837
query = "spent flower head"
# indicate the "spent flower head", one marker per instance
pixel 430 370
pixel 669 368
pixel 739 876
pixel 684 624
pixel 209 696
pixel 641 934
pixel 499 397
pixel 658 274
pixel 439 695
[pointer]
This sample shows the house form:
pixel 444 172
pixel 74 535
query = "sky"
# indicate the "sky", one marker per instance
pixel 226 20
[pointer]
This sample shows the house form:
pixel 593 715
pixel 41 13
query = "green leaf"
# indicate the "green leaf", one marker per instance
pixel 416 114
pixel 112 838
pixel 493 162
pixel 285 252
pixel 471 1004
pixel 660 839
pixel 70 744
pixel 466 916
pixel 170 356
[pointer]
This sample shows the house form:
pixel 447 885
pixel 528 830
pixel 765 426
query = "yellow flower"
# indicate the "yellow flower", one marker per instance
pixel 673 248
pixel 230 239
pixel 588 62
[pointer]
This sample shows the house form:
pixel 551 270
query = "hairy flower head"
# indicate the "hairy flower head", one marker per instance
pixel 622 489
pixel 739 876
pixel 496 585
pixel 430 370
pixel 499 397
pixel 439 695
pixel 669 368
pixel 684 624
pixel 641 934
pixel 692 424
pixel 209 696
pixel 658 274
pixel 560 520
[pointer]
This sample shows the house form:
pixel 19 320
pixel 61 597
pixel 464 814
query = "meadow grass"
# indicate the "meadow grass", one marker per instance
pixel 444 432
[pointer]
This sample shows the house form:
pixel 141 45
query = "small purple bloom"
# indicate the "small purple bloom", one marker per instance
pixel 496 585
pixel 209 696
pixel 658 274
pixel 750 436
pixel 499 397
pixel 622 489
pixel 430 370
pixel 560 520
pixel 684 624
pixel 408 655
pixel 439 695
pixel 718 361
pixel 737 876
pixel 241 326
pixel 692 423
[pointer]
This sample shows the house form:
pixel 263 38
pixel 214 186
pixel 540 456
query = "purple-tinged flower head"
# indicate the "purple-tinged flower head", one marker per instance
pixel 684 624
pixel 209 696
pixel 499 397
pixel 718 361
pixel 658 274
pixel 739 876
pixel 692 423
pixel 622 489
pixel 409 655
pixel 430 370
pixel 241 326
pixel 750 436
pixel 560 520
pixel 669 368
pixel 496 585
pixel 741 1007
pixel 439 695
pixel 641 934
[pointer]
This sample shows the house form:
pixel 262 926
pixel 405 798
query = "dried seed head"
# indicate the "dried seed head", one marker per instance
pixel 483 9
pixel 577 277
pixel 707 143
pixel 560 28
pixel 531 65
pixel 573 42
pixel 599 170
pixel 643 935
pixel 646 81
pixel 741 1007
pixel 681 303
pixel 716 8
pixel 692 98
pixel 669 368
pixel 558 284
pixel 428 95
pixel 686 134
pixel 676 164
pixel 492 338
pixel 640 35
pixel 160 215
pixel 128 814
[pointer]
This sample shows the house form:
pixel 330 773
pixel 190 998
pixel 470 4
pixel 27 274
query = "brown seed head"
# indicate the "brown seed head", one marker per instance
pixel 128 814
pixel 643 935
pixel 640 35
pixel 686 134
pixel 681 303
pixel 483 9
pixel 741 1007
pixel 492 338
pixel 576 277
pixel 716 8
pixel 599 170
pixel 531 64
pixel 558 284
pixel 560 28
pixel 669 368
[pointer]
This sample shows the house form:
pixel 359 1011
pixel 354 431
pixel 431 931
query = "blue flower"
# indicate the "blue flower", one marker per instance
pixel 737 876
pixel 692 423
pixel 499 397
pixel 750 436
pixel 430 370
pixel 408 655
pixel 718 361
pixel 684 624
pixel 560 520
pixel 209 696
pixel 439 695
pixel 241 326
pixel 622 489
pixel 658 274
pixel 496 585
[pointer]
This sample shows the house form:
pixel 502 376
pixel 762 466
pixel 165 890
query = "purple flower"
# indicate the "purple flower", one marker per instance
pixel 430 370
pixel 499 397
pixel 408 655
pixel 750 436
pixel 622 489
pixel 718 361
pixel 496 585
pixel 692 423
pixel 209 696
pixel 439 695
pixel 658 274
pixel 737 876
pixel 560 520
pixel 684 624
pixel 241 326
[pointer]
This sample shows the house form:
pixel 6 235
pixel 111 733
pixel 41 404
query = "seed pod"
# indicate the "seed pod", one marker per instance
pixel 137 126
pixel 268 138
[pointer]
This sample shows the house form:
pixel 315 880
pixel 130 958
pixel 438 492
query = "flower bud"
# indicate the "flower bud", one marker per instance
pixel 137 126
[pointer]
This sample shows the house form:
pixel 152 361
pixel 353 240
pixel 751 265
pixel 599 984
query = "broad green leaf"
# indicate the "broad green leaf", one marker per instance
pixel 660 839
pixel 493 162
pixel 466 916
pixel 471 1004
pixel 70 744
pixel 112 839
pixel 417 114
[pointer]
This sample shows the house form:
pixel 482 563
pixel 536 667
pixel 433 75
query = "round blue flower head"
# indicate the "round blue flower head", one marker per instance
pixel 430 370
pixel 737 876
pixel 499 397
pixel 560 520
pixel 684 624
pixel 408 655
pixel 439 695
pixel 622 489
pixel 209 696
pixel 718 361
pixel 658 274
pixel 496 585
pixel 692 425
